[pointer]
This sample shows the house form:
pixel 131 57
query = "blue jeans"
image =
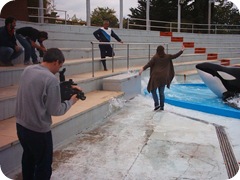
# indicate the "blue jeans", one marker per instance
pixel 37 154
pixel 161 95
pixel 29 49
pixel 7 54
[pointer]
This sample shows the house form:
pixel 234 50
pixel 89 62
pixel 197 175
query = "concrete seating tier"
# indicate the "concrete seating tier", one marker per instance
pixel 76 53
pixel 84 80
pixel 83 115
pixel 187 71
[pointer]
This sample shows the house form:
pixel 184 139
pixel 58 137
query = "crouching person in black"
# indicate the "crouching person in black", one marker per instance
pixel 39 98
pixel 27 36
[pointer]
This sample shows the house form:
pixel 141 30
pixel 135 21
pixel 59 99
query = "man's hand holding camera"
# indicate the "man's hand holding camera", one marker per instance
pixel 70 90
pixel 74 97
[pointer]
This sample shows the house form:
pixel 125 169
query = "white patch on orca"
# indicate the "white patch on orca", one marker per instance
pixel 212 82
pixel 226 76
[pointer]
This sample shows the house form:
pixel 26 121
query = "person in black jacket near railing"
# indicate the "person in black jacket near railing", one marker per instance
pixel 104 34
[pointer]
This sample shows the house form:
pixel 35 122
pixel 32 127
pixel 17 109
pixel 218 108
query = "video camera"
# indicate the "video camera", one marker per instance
pixel 66 88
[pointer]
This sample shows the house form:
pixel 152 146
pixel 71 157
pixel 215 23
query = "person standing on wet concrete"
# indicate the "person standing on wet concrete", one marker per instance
pixel 38 99
pixel 161 74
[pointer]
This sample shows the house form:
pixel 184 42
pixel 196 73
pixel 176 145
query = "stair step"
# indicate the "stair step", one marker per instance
pixel 190 72
pixel 188 44
pixel 176 39
pixel 166 34
pixel 236 65
pixel 82 116
pixel 84 80
pixel 225 62
pixel 212 56
pixel 94 99
pixel 200 50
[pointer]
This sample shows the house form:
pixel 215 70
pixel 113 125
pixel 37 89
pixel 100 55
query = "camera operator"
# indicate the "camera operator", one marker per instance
pixel 38 99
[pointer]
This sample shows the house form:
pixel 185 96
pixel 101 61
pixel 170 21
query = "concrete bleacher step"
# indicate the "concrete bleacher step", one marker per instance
pixel 236 65
pixel 177 39
pixel 212 56
pixel 10 75
pixel 185 66
pixel 84 80
pixel 200 50
pixel 188 44
pixel 187 76
pixel 188 65
pixel 166 33
pixel 81 116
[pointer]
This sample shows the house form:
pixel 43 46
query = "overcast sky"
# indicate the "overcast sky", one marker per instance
pixel 78 7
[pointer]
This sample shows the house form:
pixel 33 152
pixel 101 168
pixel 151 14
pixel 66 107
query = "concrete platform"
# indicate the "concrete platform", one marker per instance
pixel 138 143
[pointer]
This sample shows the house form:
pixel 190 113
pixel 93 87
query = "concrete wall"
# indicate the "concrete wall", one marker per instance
pixel 13 8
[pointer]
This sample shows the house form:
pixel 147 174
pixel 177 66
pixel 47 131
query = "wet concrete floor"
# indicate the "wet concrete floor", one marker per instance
pixel 136 143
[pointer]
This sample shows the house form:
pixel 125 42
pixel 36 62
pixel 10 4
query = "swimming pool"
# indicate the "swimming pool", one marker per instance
pixel 198 97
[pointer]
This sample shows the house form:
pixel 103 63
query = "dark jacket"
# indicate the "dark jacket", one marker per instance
pixel 29 32
pixel 161 70
pixel 104 35
pixel 7 40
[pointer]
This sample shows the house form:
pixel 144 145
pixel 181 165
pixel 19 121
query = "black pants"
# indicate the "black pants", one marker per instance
pixel 37 154
pixel 105 50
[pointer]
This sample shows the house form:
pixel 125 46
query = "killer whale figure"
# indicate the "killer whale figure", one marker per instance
pixel 222 80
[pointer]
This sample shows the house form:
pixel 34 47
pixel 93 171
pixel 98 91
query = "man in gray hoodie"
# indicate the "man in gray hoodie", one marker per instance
pixel 38 98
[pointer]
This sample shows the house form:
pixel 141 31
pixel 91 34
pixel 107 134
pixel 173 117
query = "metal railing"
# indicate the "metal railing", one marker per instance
pixel 47 17
pixel 36 15
pixel 135 23
pixel 127 45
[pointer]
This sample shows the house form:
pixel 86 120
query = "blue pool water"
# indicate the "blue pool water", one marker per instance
pixel 198 97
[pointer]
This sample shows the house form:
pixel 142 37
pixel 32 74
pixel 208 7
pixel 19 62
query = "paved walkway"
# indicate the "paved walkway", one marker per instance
pixel 136 143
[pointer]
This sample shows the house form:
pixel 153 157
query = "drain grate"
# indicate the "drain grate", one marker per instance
pixel 227 152
pixel 225 146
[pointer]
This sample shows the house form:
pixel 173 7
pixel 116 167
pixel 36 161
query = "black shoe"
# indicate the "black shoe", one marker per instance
pixel 156 108
pixel 161 108
pixel 105 69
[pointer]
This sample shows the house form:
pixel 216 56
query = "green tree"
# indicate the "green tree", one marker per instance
pixel 192 11
pixel 76 21
pixel 100 14
pixel 199 13
pixel 225 13
pixel 164 10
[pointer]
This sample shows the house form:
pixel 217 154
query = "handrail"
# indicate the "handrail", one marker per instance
pixel 185 27
pixel 156 25
pixel 128 51
pixel 46 17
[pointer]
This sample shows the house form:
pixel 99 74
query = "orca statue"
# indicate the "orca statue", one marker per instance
pixel 222 80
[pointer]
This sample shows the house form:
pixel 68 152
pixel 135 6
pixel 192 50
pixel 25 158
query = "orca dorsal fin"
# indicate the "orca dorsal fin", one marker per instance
pixel 226 76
